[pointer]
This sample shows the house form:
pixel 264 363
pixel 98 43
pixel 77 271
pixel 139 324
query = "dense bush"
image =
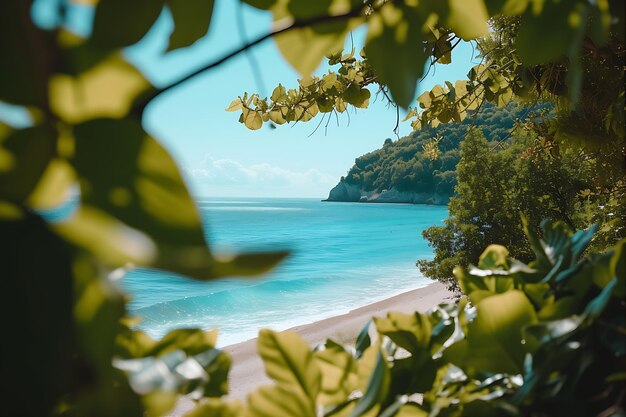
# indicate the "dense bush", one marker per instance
pixel 495 184
pixel 546 338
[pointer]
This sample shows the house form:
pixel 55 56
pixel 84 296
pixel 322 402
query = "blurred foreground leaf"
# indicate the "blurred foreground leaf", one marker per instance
pixel 127 177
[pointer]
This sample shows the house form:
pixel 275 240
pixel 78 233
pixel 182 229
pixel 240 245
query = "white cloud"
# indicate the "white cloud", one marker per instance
pixel 228 177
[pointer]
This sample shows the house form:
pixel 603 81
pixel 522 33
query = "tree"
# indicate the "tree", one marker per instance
pixel 87 102
pixel 494 187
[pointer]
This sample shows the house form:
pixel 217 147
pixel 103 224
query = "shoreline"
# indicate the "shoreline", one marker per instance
pixel 247 372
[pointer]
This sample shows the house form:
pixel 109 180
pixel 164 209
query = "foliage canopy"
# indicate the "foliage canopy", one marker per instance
pixel 74 351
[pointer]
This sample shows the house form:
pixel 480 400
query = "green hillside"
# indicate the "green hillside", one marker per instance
pixel 405 166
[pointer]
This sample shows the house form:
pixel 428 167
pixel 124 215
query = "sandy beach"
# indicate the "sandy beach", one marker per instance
pixel 247 372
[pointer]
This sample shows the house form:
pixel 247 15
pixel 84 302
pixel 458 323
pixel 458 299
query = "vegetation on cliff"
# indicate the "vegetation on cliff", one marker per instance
pixel 408 164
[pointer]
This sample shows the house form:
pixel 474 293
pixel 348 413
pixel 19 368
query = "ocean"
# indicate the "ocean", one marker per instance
pixel 344 256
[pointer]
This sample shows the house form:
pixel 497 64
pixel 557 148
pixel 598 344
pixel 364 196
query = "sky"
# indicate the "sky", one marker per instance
pixel 220 157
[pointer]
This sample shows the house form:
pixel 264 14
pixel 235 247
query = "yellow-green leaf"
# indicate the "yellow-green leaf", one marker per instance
pixel 494 339
pixel 468 18
pixel 54 185
pixel 236 104
pixel 395 51
pixel 213 407
pixel 111 241
pixel 280 401
pixel 105 90
pixel 377 387
pixel 305 48
pixel 146 192
pixel 409 331
pixel 252 119
pixel 289 361
pixel 338 371
pixel 191 341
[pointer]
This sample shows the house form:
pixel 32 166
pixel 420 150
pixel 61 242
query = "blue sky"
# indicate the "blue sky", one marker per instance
pixel 218 155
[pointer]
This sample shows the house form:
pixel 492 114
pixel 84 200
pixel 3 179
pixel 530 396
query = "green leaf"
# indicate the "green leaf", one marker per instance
pixel 107 89
pixel 394 50
pixel 442 50
pixel 158 403
pixel 363 340
pixel 357 96
pixel 494 257
pixel 289 361
pixel 545 35
pixel 236 104
pixel 279 94
pixel 596 306
pixel 443 327
pixel 54 186
pixel 618 267
pixel 217 364
pixel 119 23
pixel 377 387
pixel 307 9
pixel 216 408
pixel 191 21
pixel 109 240
pixel 542 262
pixel 190 341
pixel 494 339
pixel 338 371
pixel 581 239
pixel 543 333
pixel 280 401
pixel 251 118
pixel 304 49
pixel 411 410
pixel 409 331
pixel 468 18
pixel 424 100
pixel 145 192
pixel 29 151
pixel 413 374
pixel 508 7
pixel 556 240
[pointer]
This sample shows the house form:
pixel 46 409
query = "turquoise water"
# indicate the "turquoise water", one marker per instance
pixel 345 255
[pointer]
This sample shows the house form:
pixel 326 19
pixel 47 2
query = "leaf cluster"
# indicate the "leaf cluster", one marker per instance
pixel 332 92
pixel 543 338
pixel 86 148
pixel 498 180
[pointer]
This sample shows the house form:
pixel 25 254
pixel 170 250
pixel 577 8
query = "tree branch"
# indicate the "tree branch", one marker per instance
pixel 449 50
pixel 282 26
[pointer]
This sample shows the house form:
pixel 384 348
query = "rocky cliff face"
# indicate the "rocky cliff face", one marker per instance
pixel 352 193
